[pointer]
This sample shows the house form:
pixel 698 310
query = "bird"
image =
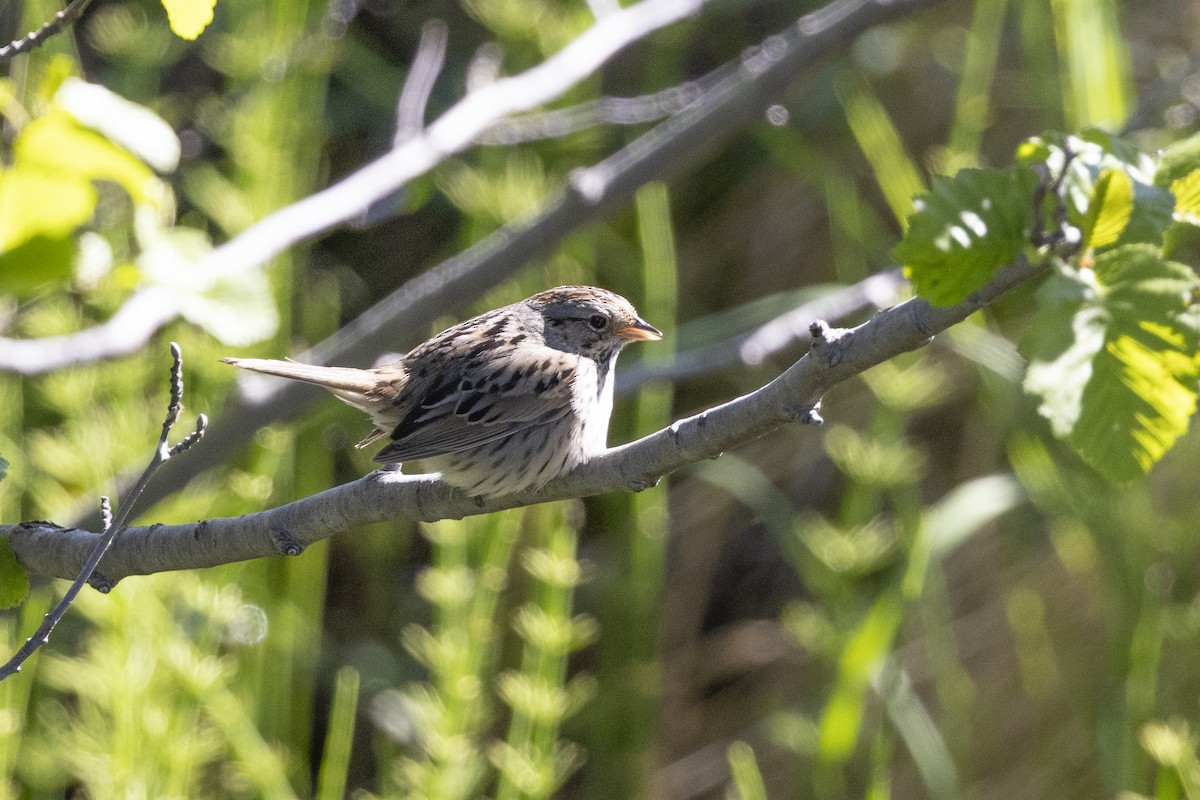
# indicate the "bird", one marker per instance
pixel 500 403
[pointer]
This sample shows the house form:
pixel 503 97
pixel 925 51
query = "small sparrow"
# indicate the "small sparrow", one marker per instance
pixel 499 403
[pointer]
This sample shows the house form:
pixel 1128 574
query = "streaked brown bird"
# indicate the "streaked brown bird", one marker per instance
pixel 500 403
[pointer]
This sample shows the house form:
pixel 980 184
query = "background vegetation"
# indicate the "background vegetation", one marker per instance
pixel 928 597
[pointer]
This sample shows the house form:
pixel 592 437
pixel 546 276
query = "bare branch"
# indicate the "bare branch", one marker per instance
pixel 786 330
pixel 795 395
pixel 37 38
pixel 414 97
pixel 113 527
pixel 127 331
pixel 451 133
pixel 672 147
pixel 601 111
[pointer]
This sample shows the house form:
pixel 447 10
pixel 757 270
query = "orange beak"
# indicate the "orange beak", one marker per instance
pixel 639 331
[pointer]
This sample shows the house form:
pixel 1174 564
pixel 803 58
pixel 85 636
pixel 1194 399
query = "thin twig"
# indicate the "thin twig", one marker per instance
pixel 113 527
pixel 790 329
pixel 410 110
pixel 37 38
pixel 560 122
pixel 414 97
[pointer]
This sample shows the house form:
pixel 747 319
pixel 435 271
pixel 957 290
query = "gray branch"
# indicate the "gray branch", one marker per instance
pixel 835 355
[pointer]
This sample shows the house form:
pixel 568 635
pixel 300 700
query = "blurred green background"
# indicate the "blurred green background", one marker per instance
pixel 925 598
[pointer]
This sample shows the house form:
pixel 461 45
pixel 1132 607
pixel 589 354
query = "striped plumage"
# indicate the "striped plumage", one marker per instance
pixel 499 403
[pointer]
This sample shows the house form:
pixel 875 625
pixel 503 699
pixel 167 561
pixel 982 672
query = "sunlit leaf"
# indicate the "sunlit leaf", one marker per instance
pixel 1110 208
pixel 189 18
pixel 1093 155
pixel 965 229
pixel 1187 197
pixel 1180 159
pixel 14 584
pixel 841 720
pixel 130 125
pixel 35 203
pixel 58 145
pixel 1113 359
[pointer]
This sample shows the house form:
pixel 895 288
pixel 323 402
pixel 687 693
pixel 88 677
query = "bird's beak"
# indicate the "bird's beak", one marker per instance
pixel 639 331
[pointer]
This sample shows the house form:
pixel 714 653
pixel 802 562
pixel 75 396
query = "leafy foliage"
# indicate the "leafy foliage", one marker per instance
pixel 965 229
pixel 1112 355
pixel 1112 350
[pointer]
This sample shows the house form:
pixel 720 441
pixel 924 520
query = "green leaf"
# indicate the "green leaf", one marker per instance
pixel 35 202
pixel 1187 197
pixel 58 145
pixel 14 584
pixel 747 779
pixel 1093 155
pixel 1177 160
pixel 36 262
pixel 189 18
pixel 1113 357
pixel 964 229
pixel 127 124
pixel 1110 208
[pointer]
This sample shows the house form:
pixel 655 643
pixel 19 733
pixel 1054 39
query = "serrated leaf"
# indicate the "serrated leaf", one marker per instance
pixel 1113 357
pixel 1110 208
pixel 1187 197
pixel 964 229
pixel 1094 154
pixel 14 583
pixel 189 18
pixel 1177 160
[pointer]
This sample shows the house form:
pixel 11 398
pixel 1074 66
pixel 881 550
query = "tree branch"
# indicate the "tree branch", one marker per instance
pixel 795 395
pixel 674 146
pixel 100 545
pixel 37 38
pixel 753 348
pixel 127 331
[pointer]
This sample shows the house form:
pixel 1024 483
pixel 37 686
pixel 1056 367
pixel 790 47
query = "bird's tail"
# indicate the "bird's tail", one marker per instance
pixel 339 380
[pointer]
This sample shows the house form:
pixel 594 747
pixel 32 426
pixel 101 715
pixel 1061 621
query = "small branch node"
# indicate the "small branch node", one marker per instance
pixel 285 544
pixel 641 484
pixel 807 414
pixel 98 582
pixel 198 531
pixel 590 183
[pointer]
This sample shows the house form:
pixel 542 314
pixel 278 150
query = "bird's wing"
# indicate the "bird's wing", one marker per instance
pixel 485 401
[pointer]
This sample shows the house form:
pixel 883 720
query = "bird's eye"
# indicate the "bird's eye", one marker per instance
pixel 598 322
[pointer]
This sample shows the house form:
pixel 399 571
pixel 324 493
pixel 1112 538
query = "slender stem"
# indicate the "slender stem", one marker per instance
pixel 113 527
pixel 37 38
